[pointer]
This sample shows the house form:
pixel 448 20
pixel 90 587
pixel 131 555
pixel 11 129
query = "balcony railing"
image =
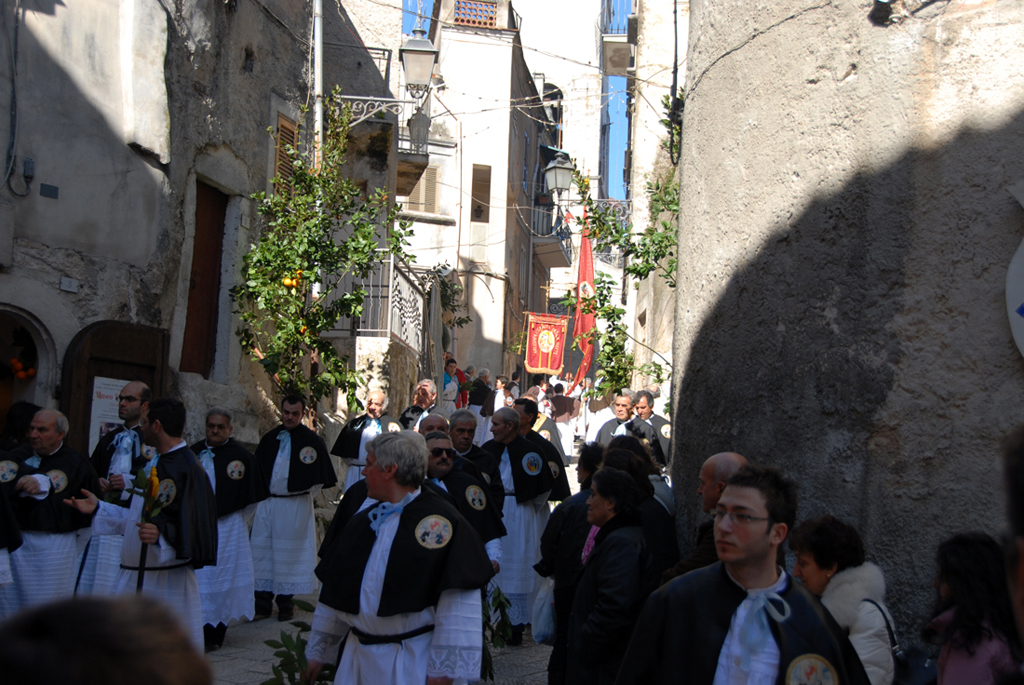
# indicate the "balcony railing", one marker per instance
pixel 395 304
pixel 413 139
pixel 615 16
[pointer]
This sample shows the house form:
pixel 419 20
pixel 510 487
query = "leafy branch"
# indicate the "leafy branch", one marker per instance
pixel 497 632
pixel 291 653
pixel 321 236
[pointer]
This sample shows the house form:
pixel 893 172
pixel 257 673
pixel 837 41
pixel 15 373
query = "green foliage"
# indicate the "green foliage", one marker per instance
pixel 672 124
pixel 451 297
pixel 291 654
pixel 321 232
pixel 496 633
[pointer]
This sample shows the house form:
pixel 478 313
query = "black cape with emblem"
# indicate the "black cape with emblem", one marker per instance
pixel 663 429
pixel 104 452
pixel 351 435
pixel 560 489
pixel 489 467
pixel 523 455
pixel 240 480
pixel 69 472
pixel 683 626
pixel 639 429
pixel 307 468
pixel 10 535
pixel 548 429
pixel 435 549
pixel 470 498
pixel 188 518
pixel 349 507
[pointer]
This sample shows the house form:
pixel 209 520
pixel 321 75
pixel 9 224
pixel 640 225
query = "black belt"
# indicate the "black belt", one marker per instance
pixel 158 568
pixel 296 494
pixel 509 494
pixel 367 639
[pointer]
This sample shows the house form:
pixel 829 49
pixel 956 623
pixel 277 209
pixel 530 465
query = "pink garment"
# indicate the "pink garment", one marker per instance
pixel 990 662
pixel 588 546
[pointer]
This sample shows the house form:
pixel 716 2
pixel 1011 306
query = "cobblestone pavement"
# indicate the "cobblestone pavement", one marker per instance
pixel 246 660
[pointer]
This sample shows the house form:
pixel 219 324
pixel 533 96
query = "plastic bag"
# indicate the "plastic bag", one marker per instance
pixel 543 626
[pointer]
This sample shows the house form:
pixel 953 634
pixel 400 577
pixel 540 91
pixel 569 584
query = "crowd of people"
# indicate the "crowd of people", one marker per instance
pixel 465 492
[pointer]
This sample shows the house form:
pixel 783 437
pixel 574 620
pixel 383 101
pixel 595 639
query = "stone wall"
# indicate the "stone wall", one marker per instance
pixel 844 236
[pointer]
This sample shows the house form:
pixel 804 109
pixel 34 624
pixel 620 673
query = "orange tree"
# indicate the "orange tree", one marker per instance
pixel 318 229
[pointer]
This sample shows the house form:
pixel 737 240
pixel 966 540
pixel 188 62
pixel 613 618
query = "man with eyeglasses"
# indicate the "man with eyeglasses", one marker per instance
pixel 742 620
pixel 117 458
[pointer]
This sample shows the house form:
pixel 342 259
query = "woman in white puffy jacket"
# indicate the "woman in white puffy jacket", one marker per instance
pixel 830 563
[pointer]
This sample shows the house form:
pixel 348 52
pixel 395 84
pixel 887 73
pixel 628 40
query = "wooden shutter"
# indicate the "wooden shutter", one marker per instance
pixel 423 197
pixel 283 168
pixel 199 346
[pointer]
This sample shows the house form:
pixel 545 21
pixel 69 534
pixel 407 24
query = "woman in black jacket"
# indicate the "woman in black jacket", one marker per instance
pixel 617 577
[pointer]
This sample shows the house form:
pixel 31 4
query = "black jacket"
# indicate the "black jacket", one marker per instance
pixel 561 544
pixel 614 584
pixel 351 435
pixel 660 528
pixel 489 467
pixel 683 627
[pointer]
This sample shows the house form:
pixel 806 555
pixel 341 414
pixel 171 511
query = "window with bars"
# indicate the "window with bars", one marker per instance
pixel 423 197
pixel 287 134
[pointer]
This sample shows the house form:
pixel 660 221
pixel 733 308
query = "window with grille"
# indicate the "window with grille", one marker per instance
pixel 283 167
pixel 423 197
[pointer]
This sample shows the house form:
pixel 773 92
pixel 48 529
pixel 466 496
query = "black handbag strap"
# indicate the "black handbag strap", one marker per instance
pixel 893 644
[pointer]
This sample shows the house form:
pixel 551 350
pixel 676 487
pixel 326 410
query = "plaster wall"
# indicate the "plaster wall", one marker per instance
pixel 844 234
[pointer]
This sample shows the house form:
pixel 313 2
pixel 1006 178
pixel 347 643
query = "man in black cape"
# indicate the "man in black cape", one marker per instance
pixel 662 427
pixel 463 428
pixel 406 552
pixel 180 537
pixel 43 473
pixel 527 410
pixel 625 423
pixel 238 483
pixel 742 615
pixel 424 403
pixel 295 462
pixel 351 442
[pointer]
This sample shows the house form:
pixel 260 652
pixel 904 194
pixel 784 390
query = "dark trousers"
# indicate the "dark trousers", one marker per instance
pixel 265 603
pixel 213 635
pixel 559 651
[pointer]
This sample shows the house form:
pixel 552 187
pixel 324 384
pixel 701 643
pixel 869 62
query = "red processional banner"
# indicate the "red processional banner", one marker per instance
pixel 585 323
pixel 545 342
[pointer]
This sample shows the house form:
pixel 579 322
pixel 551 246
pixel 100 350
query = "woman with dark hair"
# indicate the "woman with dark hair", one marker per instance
pixel 615 582
pixel 561 549
pixel 662 489
pixel 973 618
pixel 830 563
pixel 658 524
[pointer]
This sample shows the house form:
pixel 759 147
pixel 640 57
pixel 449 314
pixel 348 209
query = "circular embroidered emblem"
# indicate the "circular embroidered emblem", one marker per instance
pixel 58 479
pixel 546 435
pixel 666 431
pixel 394 428
pixel 811 669
pixel 546 341
pixel 509 401
pixel 8 470
pixel 555 471
pixel 434 532
pixel 167 491
pixel 476 497
pixel 487 478
pixel 307 455
pixel 236 470
pixel 586 289
pixel 532 463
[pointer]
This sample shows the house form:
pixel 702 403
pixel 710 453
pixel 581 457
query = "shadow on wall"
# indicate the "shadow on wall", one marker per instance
pixel 858 352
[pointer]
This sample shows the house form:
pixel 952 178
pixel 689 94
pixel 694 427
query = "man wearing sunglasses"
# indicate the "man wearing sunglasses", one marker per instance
pixel 742 619
pixel 468 494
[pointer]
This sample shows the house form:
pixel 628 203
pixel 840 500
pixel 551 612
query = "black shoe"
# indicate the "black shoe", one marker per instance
pixel 285 614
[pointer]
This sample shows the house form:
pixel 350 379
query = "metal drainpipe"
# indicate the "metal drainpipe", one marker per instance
pixel 318 76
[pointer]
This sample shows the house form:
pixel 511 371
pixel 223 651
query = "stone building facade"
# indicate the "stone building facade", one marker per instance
pixel 844 236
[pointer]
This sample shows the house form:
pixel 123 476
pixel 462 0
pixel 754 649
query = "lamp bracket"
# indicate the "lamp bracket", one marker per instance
pixel 364 107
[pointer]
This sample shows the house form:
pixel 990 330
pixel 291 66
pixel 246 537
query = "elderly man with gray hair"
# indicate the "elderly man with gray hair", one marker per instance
pixel 424 402
pixel 44 472
pixel 402 582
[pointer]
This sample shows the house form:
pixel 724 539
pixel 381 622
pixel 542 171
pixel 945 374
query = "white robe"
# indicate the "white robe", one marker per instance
pixel 175 586
pixel 284 538
pixel 520 548
pixel 226 589
pixel 354 474
pixel 454 649
pixel 101 564
pixel 43 570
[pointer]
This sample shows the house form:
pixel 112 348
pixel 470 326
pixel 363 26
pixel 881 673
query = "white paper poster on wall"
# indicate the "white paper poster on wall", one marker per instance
pixel 103 417
pixel 1015 281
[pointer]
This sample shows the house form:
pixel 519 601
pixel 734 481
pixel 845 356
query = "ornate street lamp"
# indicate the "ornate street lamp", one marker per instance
pixel 558 174
pixel 418 56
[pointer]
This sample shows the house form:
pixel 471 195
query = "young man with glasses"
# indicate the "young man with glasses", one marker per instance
pixel 742 620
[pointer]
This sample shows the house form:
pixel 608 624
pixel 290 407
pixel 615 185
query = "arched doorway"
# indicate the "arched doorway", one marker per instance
pixel 26 361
